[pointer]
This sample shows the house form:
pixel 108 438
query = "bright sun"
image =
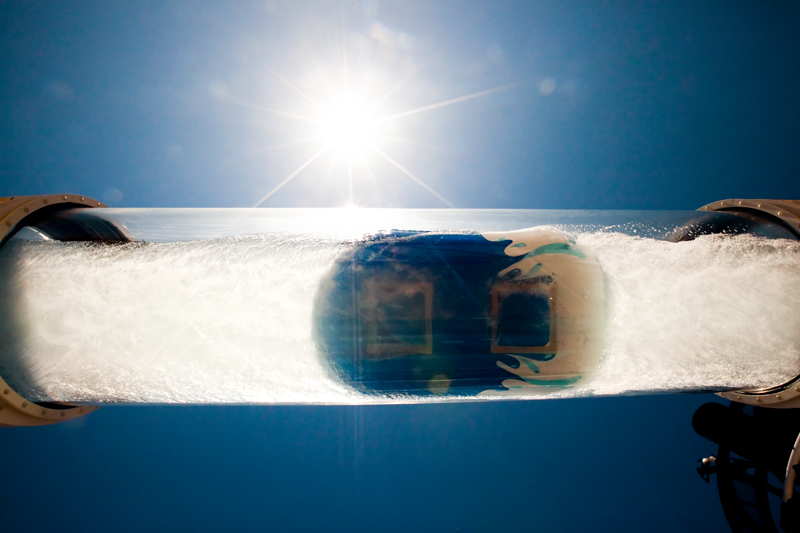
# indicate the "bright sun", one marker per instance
pixel 347 127
pixel 350 129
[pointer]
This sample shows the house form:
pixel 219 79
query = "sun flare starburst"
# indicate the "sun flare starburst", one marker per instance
pixel 347 127
pixel 352 130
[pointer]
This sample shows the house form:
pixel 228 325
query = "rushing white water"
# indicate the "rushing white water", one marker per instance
pixel 715 312
pixel 225 320
pixel 229 320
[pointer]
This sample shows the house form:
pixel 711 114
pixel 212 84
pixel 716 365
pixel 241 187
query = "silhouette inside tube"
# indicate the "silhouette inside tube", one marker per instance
pixel 443 313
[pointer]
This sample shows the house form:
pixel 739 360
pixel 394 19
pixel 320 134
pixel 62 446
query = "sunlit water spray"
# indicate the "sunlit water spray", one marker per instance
pixel 716 312
pixel 230 320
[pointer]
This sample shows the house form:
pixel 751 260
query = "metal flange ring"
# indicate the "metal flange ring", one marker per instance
pixel 14 409
pixel 786 213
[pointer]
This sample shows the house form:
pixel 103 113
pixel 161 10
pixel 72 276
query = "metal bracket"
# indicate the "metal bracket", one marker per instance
pixel 787 395
pixel 14 409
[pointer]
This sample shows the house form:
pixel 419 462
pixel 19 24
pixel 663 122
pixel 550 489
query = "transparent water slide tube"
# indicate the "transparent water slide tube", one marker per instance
pixel 348 306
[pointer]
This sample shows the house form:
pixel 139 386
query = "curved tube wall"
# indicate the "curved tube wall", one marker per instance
pixel 364 306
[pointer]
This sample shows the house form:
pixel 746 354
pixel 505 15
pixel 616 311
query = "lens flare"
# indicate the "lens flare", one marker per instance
pixel 347 127
pixel 351 129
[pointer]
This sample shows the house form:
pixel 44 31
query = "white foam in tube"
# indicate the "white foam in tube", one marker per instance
pixel 229 320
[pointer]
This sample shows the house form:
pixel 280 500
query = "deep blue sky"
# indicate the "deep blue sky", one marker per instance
pixel 623 105
pixel 656 105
